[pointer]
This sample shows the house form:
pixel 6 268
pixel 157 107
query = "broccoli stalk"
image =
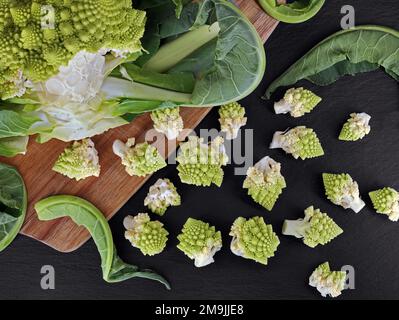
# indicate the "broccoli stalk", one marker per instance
pixel 316 228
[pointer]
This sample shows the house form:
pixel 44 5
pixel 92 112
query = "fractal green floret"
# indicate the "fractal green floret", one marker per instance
pixel 343 191
pixel 316 228
pixel 356 128
pixel 300 142
pixel 139 159
pixel 40 37
pixel 265 182
pixel 201 164
pixel 328 282
pixel 297 102
pixel 168 121
pixel 253 239
pixel 148 236
pixel 232 118
pixel 199 241
pixel 161 196
pixel 79 161
pixel 386 201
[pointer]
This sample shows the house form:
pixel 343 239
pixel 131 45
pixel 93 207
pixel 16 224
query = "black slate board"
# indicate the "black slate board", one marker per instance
pixel 369 242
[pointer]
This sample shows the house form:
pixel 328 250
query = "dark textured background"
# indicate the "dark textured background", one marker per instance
pixel 369 243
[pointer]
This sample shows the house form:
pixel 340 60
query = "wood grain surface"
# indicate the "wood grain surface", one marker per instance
pixel 114 187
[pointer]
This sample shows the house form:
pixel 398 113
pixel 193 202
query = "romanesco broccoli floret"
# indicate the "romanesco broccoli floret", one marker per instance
pixel 386 201
pixel 161 196
pixel 232 118
pixel 168 121
pixel 356 128
pixel 201 164
pixel 297 101
pixel 328 282
pixel 199 241
pixel 316 228
pixel 343 191
pixel 79 161
pixel 38 37
pixel 139 159
pixel 253 239
pixel 265 182
pixel 148 236
pixel 301 142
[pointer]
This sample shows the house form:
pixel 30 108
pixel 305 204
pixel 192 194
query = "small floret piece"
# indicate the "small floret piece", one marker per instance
pixel 168 121
pixel 139 159
pixel 148 236
pixel 297 101
pixel 265 182
pixel 161 196
pixel 232 118
pixel 316 228
pixel 79 161
pixel 356 128
pixel 201 164
pixel 253 239
pixel 199 241
pixel 343 191
pixel 328 282
pixel 386 201
pixel 301 142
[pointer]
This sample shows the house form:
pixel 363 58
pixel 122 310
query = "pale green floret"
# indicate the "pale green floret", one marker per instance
pixel 300 142
pixel 168 121
pixel 161 196
pixel 148 236
pixel 201 164
pixel 298 102
pixel 199 241
pixel 386 201
pixel 139 159
pixel 232 118
pixel 265 183
pixel 316 228
pixel 253 239
pixel 79 161
pixel 356 128
pixel 38 37
pixel 343 191
pixel 328 282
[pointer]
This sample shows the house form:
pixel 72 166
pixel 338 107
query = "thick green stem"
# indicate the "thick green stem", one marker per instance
pixel 119 88
pixel 173 52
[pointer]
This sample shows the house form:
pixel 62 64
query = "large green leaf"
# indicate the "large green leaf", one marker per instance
pixel 13 204
pixel 10 147
pixel 347 52
pixel 83 213
pixel 15 124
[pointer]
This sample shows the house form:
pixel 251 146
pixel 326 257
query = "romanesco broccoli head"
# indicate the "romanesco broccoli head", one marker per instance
pixel 161 196
pixel 343 191
pixel 301 142
pixel 201 164
pixel 265 182
pixel 139 160
pixel 79 161
pixel 253 239
pixel 356 128
pixel 232 118
pixel 328 282
pixel 297 101
pixel 148 236
pixel 386 201
pixel 168 121
pixel 316 228
pixel 38 36
pixel 199 241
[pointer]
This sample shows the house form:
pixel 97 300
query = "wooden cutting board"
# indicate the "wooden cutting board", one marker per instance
pixel 114 187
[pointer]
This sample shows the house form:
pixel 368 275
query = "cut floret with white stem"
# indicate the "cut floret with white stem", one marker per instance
pixel 328 282
pixel 343 191
pixel 232 118
pixel 168 121
pixel 386 201
pixel 162 195
pixel 356 128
